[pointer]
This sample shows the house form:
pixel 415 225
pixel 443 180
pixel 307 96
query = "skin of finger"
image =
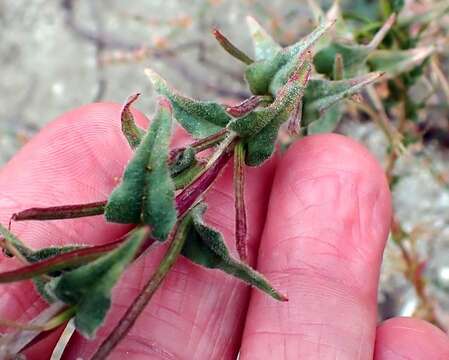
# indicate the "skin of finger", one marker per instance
pixel 197 313
pixel 77 158
pixel 327 223
pixel 80 158
pixel 407 338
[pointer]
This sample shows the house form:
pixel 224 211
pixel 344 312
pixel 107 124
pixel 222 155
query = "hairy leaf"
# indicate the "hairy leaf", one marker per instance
pixel 328 122
pixel 205 246
pixel 146 193
pixel 264 45
pixel 89 287
pixel 334 13
pixel 183 160
pixel 267 76
pixel 322 94
pixel 187 176
pixel 260 147
pixel 396 62
pixel 199 118
pixel 290 94
pixel 49 252
pixel 36 256
pixel 354 56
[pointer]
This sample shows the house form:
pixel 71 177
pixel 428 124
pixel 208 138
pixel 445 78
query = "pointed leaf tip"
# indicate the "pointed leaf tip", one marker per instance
pixel 89 286
pixel 265 46
pixel 230 48
pixel 156 80
pixel 383 31
pixel 322 110
pixel 396 62
pixel 129 128
pixel 199 118
pixel 206 246
pixel 146 193
pixel 165 104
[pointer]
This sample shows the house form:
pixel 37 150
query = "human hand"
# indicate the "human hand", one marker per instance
pixel 322 232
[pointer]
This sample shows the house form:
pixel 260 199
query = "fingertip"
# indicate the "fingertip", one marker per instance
pixel 319 167
pixel 410 338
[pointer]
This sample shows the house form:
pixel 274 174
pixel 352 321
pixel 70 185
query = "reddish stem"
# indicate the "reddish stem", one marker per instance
pixel 190 194
pixel 200 145
pixel 231 48
pixel 184 201
pixel 239 199
pixel 247 105
pixel 59 262
pixel 61 212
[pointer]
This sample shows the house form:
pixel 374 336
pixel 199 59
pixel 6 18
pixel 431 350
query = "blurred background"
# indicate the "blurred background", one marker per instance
pixel 56 55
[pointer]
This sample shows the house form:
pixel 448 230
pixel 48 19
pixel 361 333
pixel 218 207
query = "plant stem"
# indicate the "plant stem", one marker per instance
pixel 12 343
pixel 239 201
pixel 61 212
pixel 12 250
pixel 380 117
pixel 444 83
pixel 186 198
pixel 248 105
pixel 201 144
pixel 64 339
pixel 59 262
pixel 60 319
pixel 209 141
pixel 128 320
pixel 231 48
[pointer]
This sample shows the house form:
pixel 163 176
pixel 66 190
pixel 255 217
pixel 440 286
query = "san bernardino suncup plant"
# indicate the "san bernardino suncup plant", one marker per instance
pixel 301 89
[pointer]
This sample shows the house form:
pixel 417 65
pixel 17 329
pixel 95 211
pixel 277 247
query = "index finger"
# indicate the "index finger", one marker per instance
pixel 327 222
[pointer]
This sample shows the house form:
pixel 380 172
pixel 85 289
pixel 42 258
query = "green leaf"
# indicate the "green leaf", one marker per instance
pixel 49 252
pixel 42 288
pixel 185 167
pixel 146 193
pixel 89 287
pixel 328 122
pixel 35 256
pixel 184 159
pixel 260 147
pixel 296 52
pixel 432 12
pixel 269 75
pixel 46 253
pixel 322 94
pixel 205 246
pixel 354 56
pixel 199 118
pixel 285 102
pixel 341 30
pixel 188 175
pixel 264 45
pixel 396 62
